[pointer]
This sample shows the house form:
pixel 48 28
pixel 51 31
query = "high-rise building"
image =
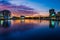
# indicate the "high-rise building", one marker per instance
pixel 6 14
pixel 58 14
pixel 52 13
pixel 1 15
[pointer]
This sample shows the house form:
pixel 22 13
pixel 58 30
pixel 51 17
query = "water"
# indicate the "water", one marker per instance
pixel 29 30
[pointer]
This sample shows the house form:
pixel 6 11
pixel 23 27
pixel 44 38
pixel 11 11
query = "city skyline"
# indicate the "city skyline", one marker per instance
pixel 40 6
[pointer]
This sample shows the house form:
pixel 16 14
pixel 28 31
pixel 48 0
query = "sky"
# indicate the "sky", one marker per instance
pixel 38 5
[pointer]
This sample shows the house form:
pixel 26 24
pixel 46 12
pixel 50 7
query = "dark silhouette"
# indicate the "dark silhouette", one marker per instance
pixel 58 15
pixel 5 14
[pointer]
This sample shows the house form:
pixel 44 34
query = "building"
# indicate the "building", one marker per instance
pixel 22 17
pixel 5 14
pixel 1 15
pixel 58 15
pixel 52 13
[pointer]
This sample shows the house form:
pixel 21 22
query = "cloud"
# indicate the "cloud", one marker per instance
pixel 7 3
pixel 17 2
pixel 4 2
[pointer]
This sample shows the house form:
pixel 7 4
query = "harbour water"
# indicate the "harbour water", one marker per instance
pixel 29 29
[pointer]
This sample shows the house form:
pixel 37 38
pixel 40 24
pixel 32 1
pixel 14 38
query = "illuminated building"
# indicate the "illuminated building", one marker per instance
pixel 22 17
pixel 58 15
pixel 52 13
pixel 1 15
pixel 5 14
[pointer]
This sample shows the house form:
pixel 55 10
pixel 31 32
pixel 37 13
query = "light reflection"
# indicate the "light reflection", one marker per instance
pixel 1 22
pixel 27 21
pixel 5 23
pixel 26 24
pixel 23 22
pixel 58 23
pixel 52 24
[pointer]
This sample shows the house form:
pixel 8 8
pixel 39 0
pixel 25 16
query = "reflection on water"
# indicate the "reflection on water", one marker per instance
pixel 29 28
pixel 11 23
pixel 52 24
pixel 5 23
pixel 28 24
